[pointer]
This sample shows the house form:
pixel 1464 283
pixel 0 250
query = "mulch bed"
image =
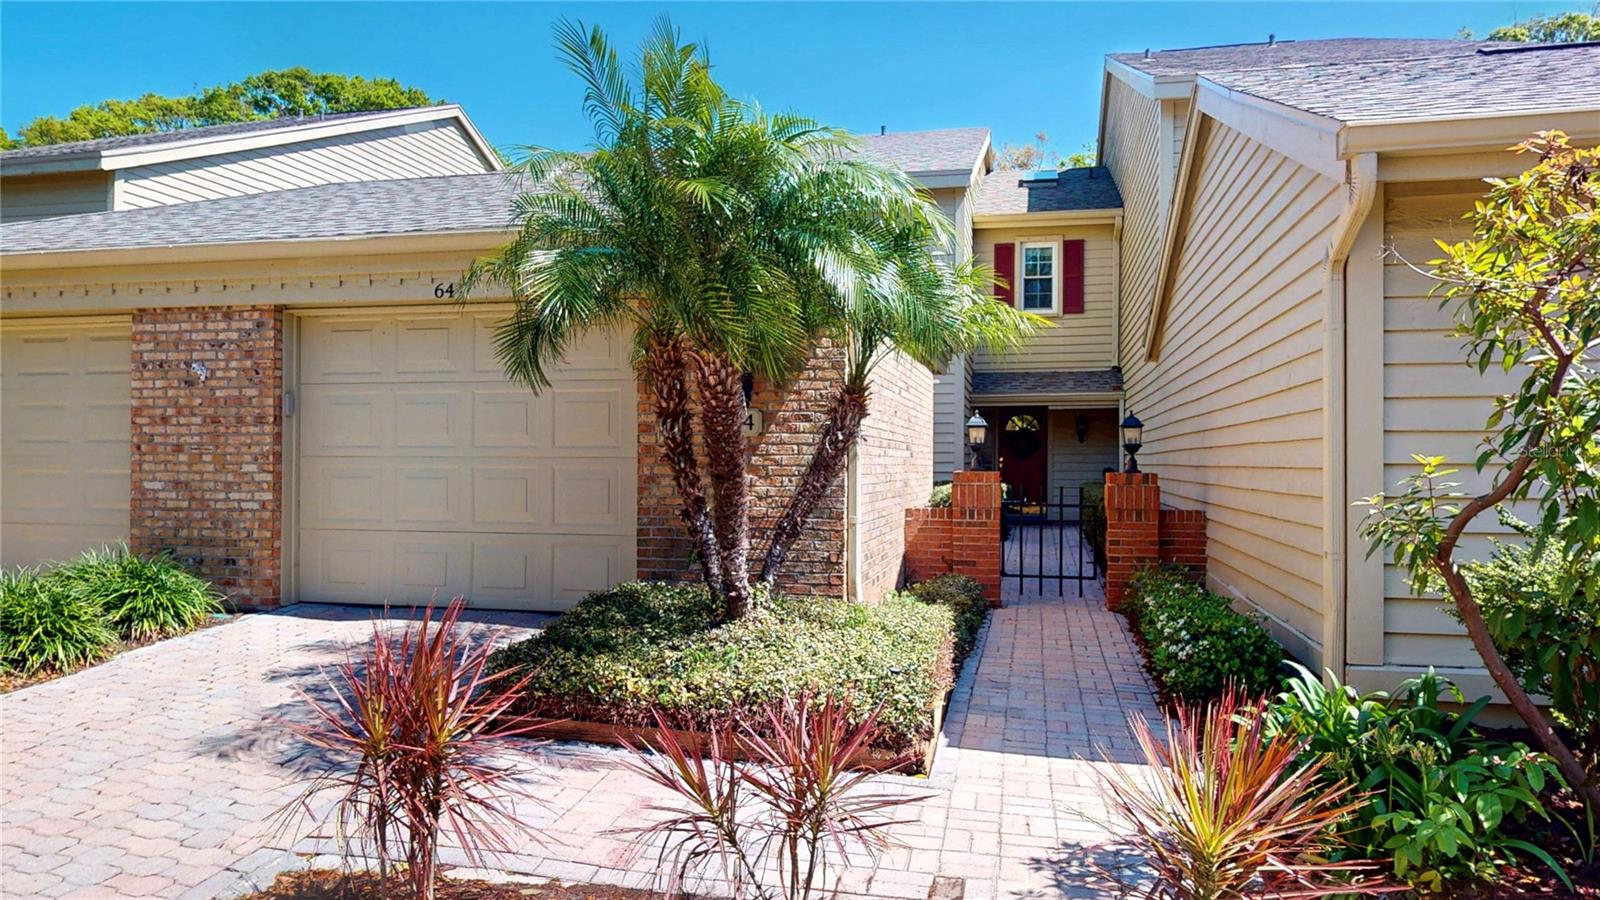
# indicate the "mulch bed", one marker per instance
pixel 11 681
pixel 331 884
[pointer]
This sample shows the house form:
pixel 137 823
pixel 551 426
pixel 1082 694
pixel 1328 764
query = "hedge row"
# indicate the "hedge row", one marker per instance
pixel 1196 643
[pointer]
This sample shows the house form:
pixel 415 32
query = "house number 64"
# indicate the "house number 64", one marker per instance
pixel 441 291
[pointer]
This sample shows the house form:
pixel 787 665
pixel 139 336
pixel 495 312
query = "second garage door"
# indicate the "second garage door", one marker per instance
pixel 423 473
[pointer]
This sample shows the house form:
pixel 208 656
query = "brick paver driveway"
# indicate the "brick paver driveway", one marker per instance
pixel 160 773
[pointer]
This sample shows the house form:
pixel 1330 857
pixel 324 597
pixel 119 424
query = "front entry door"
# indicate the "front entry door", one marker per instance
pixel 1023 452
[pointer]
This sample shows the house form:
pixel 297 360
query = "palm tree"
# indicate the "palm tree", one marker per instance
pixel 729 241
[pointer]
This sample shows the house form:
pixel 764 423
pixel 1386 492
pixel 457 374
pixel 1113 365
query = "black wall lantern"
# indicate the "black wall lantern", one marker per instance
pixel 1082 426
pixel 977 439
pixel 1132 440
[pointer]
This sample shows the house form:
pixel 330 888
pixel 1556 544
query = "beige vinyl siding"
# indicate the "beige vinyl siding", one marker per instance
pixel 41 196
pixel 952 386
pixel 1072 463
pixel 1085 340
pixel 1233 408
pixel 1135 155
pixel 1434 404
pixel 1177 113
pixel 404 151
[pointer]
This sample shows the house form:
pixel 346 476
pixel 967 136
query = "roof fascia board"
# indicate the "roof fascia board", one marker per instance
pixel 128 157
pixel 1100 127
pixel 1194 134
pixel 1307 138
pixel 75 162
pixel 229 251
pixel 1040 219
pixel 1056 400
pixel 943 178
pixel 1156 87
pixel 1445 133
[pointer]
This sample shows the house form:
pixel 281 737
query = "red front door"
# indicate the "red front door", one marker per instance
pixel 1023 451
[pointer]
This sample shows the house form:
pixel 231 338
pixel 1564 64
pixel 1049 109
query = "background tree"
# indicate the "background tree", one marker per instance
pixel 264 95
pixel 1041 154
pixel 1526 299
pixel 730 241
pixel 1557 29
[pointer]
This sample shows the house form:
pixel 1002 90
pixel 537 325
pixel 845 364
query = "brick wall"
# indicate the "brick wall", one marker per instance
pixel 779 456
pixel 1183 539
pixel 894 465
pixel 207 453
pixel 1133 529
pixel 963 538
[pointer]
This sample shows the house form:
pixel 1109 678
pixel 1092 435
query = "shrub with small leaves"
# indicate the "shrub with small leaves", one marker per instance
pixel 963 596
pixel 44 627
pixel 1198 645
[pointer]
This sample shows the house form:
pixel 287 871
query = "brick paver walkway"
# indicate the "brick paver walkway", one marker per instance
pixel 159 773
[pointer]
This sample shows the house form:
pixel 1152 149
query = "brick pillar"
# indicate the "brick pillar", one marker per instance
pixel 975 535
pixel 1133 529
pixel 207 444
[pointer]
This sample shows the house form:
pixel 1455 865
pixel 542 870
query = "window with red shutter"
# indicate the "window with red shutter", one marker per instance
pixel 1071 277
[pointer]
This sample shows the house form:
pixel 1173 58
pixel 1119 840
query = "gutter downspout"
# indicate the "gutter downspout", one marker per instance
pixel 1362 184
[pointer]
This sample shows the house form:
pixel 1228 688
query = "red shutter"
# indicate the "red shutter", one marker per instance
pixel 1071 277
pixel 1005 270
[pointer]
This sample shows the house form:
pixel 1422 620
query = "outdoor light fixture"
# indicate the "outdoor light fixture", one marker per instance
pixel 977 438
pixel 1082 426
pixel 1132 440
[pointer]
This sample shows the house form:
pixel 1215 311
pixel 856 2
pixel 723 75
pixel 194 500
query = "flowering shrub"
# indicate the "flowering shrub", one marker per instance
pixel 1198 645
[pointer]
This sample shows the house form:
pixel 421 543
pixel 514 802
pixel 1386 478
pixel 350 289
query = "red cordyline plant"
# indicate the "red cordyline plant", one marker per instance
pixel 1221 810
pixel 784 790
pixel 419 718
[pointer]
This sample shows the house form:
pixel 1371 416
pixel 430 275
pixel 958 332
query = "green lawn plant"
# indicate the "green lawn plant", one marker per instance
pixel 1439 795
pixel 143 598
pixel 45 627
pixel 1198 645
pixel 1526 300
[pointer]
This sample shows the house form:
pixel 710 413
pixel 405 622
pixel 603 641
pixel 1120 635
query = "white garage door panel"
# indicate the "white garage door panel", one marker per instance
pixel 424 473
pixel 64 449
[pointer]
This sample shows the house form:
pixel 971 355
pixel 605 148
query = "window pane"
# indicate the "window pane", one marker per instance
pixel 1036 293
pixel 1037 261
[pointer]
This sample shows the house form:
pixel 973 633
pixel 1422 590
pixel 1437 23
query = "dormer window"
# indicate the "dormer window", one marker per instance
pixel 1039 278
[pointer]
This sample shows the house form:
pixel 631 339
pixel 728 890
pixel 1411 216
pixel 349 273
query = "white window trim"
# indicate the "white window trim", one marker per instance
pixel 1055 276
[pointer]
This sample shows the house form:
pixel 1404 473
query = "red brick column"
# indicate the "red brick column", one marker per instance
pixel 207 444
pixel 1133 529
pixel 1183 539
pixel 963 538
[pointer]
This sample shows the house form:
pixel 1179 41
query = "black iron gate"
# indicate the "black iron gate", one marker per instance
pixel 1045 543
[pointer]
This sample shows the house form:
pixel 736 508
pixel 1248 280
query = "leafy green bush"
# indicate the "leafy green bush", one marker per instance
pixel 44 627
pixel 940 498
pixel 1197 644
pixel 1092 508
pixel 964 597
pixel 1439 792
pixel 643 646
pixel 1544 619
pixel 142 599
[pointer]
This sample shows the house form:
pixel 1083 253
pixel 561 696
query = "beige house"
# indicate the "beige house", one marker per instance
pixel 314 419
pixel 1283 364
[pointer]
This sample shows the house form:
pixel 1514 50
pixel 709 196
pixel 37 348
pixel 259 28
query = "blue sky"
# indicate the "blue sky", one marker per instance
pixel 1016 68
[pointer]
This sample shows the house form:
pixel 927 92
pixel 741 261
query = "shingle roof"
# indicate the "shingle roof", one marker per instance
pixel 1007 192
pixel 358 209
pixel 1242 57
pixel 230 129
pixel 1525 79
pixel 1094 381
pixel 951 149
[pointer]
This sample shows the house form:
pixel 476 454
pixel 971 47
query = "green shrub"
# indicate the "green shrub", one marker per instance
pixel 1092 509
pixel 46 628
pixel 1197 644
pixel 964 597
pixel 643 646
pixel 143 599
pixel 1543 617
pixel 940 498
pixel 1440 793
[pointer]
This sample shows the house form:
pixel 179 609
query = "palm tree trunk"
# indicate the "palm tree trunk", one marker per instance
pixel 668 374
pixel 722 411
pixel 840 430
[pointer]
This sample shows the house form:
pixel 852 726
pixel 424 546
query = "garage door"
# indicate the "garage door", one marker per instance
pixel 64 422
pixel 424 473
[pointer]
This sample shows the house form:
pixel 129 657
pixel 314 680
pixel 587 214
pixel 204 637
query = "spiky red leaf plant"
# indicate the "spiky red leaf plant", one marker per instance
pixel 413 726
pixel 1220 810
pixel 783 790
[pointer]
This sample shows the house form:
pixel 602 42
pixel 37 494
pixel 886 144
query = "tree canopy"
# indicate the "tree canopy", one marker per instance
pixel 1041 154
pixel 265 95
pixel 1562 28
